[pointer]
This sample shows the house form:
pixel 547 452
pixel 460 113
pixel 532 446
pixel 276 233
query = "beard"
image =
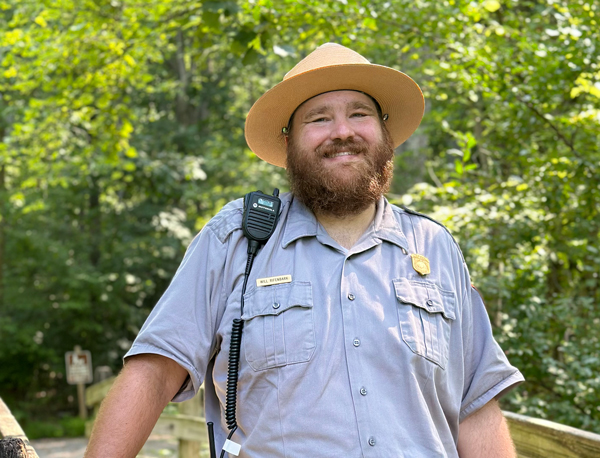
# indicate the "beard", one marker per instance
pixel 349 192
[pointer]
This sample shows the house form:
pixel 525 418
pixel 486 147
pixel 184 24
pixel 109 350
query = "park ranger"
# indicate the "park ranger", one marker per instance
pixel 362 335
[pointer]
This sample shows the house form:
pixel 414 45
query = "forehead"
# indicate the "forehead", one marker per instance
pixel 335 98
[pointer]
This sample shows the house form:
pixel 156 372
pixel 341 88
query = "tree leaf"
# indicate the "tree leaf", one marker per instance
pixel 491 5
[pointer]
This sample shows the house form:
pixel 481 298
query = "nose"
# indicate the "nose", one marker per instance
pixel 342 129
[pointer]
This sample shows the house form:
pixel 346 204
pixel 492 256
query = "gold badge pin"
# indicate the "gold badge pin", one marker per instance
pixel 420 264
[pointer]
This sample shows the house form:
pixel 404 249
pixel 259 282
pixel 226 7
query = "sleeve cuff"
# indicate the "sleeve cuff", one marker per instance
pixel 496 391
pixel 192 383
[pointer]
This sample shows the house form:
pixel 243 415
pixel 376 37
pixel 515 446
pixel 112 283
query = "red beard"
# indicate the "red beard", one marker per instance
pixel 325 192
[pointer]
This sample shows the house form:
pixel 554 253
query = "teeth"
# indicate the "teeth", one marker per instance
pixel 343 153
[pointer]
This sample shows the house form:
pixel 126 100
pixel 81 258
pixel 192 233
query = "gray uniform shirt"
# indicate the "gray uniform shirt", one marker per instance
pixel 357 356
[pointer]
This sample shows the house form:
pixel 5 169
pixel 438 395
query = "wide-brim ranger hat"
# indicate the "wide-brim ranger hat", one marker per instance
pixel 332 67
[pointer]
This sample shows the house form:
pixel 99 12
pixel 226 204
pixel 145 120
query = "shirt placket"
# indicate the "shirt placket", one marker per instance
pixel 356 340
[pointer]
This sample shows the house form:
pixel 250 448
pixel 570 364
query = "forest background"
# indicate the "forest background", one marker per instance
pixel 121 128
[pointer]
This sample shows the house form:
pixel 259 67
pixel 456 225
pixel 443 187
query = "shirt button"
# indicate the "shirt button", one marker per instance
pixel 363 391
pixel 371 441
pixel 429 302
pixel 356 342
pixel 275 305
pixel 351 296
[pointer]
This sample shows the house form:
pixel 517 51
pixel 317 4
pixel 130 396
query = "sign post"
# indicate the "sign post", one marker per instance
pixel 79 372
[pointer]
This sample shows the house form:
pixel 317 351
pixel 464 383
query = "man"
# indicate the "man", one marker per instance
pixel 367 340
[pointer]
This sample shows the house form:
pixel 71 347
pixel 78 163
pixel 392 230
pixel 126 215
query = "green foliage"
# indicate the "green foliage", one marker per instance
pixel 112 159
pixel 508 98
pixel 121 127
pixel 66 427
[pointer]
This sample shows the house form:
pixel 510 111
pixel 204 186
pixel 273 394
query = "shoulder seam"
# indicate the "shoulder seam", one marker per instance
pixel 225 216
pixel 416 213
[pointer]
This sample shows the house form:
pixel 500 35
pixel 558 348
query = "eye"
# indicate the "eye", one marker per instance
pixel 319 120
pixel 358 115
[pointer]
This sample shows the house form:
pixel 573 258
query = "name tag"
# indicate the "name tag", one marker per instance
pixel 273 280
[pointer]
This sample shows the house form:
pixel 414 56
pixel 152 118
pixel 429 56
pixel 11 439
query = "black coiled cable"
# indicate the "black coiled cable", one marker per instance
pixel 234 352
pixel 232 373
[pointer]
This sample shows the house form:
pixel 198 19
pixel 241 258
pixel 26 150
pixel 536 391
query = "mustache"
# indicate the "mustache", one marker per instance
pixel 341 146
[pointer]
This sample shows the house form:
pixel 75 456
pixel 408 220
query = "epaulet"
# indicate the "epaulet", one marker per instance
pixel 416 213
pixel 227 220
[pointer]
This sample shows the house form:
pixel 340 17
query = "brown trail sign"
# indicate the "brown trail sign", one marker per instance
pixel 79 372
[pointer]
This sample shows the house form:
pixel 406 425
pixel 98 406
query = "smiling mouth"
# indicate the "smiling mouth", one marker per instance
pixel 343 153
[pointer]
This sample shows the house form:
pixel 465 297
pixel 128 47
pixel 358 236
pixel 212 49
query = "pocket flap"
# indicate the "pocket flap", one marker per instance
pixel 273 300
pixel 426 296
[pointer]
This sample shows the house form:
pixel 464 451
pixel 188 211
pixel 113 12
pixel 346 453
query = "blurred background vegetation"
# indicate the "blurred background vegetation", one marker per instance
pixel 121 134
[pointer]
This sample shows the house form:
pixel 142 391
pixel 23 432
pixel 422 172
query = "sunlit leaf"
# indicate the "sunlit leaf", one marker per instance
pixel 491 5
pixel 39 20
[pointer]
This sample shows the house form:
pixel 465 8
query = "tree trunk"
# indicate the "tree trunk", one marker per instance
pixel 95 234
pixel 95 222
pixel 2 231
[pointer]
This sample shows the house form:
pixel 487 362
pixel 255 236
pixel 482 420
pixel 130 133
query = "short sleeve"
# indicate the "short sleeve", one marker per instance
pixel 182 326
pixel 488 374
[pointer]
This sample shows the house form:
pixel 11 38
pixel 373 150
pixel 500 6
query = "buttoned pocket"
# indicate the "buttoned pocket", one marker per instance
pixel 278 325
pixel 425 312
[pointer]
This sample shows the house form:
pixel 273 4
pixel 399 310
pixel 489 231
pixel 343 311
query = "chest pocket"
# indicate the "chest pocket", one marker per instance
pixel 425 312
pixel 278 325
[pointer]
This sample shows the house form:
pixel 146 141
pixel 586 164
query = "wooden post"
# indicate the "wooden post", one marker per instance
pixel 13 441
pixel 187 448
pixel 13 448
pixel 81 392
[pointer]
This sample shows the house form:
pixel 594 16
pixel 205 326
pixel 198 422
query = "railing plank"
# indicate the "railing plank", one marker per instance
pixel 186 427
pixel 533 437
pixel 8 425
pixel 94 394
pixel 537 438
pixel 12 436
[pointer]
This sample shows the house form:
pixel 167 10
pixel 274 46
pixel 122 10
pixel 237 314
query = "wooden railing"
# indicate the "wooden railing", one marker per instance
pixel 537 438
pixel 188 425
pixel 533 437
pixel 13 441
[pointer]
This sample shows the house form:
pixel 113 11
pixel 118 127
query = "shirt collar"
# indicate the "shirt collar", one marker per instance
pixel 386 225
pixel 301 222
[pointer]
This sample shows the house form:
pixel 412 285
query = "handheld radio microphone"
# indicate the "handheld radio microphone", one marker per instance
pixel 261 213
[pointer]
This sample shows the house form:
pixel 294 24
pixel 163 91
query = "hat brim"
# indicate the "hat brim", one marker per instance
pixel 397 94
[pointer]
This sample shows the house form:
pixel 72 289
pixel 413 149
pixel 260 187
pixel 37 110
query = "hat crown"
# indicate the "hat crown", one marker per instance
pixel 326 55
pixel 331 67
